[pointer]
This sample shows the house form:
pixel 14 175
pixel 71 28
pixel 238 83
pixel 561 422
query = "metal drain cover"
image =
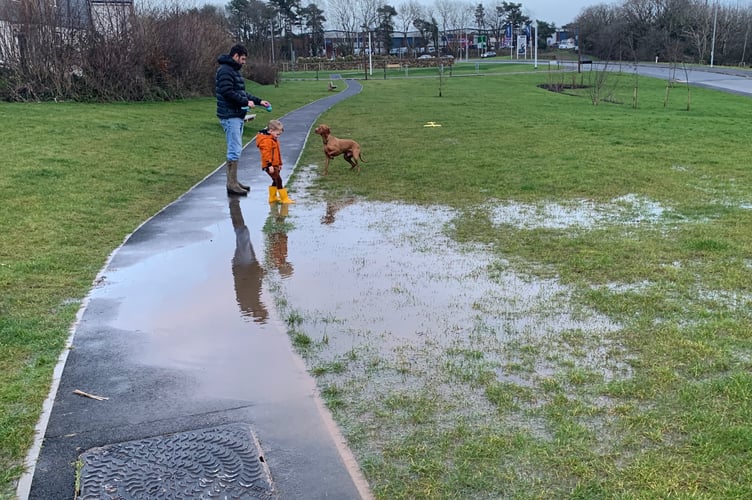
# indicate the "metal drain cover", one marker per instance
pixel 221 462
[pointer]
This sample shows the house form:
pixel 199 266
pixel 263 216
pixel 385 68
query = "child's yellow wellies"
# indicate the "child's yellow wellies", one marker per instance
pixel 283 198
pixel 273 194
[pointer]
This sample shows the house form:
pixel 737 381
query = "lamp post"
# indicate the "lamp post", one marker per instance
pixel 712 45
pixel 535 42
pixel 370 54
pixel 370 51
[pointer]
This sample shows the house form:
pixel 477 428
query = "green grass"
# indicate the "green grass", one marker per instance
pixel 77 178
pixel 380 72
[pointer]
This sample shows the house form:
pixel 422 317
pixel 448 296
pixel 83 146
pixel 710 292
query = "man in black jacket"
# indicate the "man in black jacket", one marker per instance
pixel 232 103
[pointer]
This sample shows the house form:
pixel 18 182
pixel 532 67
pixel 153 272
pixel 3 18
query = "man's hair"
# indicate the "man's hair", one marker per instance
pixel 238 49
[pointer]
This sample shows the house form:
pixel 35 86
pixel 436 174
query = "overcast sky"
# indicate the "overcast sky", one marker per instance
pixel 559 12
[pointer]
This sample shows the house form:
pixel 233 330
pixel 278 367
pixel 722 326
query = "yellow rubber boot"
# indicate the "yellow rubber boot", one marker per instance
pixel 273 194
pixel 283 198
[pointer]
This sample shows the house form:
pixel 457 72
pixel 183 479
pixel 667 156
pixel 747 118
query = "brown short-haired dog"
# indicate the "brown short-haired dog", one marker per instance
pixel 334 146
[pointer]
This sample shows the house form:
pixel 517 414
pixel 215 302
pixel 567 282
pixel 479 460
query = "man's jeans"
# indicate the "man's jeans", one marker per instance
pixel 234 134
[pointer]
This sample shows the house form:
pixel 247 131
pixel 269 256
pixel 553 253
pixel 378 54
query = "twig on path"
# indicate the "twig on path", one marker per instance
pixel 92 396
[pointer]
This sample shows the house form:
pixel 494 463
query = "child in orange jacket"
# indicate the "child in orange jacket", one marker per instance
pixel 267 141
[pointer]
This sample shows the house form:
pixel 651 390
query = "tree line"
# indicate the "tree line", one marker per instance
pixel 681 31
pixel 48 50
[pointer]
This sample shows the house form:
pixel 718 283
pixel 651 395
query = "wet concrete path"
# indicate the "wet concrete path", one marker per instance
pixel 179 335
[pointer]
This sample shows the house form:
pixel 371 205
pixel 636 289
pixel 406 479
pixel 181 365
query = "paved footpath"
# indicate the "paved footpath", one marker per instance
pixel 205 396
pixel 731 80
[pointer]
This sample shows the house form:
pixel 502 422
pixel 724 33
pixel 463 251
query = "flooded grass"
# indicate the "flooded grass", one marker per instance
pixel 430 351
pixel 532 335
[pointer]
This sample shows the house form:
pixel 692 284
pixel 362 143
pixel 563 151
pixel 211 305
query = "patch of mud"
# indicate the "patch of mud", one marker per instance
pixel 561 87
pixel 583 214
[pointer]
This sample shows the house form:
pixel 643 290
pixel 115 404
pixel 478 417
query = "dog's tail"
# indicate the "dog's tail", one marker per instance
pixel 360 155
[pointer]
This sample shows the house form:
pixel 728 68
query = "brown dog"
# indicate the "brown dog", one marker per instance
pixel 334 146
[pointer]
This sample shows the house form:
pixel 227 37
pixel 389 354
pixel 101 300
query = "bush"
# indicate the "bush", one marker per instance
pixel 262 73
pixel 154 54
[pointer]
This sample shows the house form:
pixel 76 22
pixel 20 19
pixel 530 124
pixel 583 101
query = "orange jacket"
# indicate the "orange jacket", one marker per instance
pixel 269 148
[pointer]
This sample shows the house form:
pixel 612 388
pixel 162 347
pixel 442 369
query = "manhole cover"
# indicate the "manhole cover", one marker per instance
pixel 222 462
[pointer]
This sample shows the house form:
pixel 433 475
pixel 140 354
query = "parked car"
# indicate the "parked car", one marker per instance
pixel 426 56
pixel 490 53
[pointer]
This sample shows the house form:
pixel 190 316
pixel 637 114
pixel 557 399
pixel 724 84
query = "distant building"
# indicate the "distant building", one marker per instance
pixel 563 39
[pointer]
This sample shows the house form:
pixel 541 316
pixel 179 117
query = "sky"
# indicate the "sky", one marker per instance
pixel 559 12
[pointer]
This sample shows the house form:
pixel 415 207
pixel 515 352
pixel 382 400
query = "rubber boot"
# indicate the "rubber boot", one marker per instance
pixel 235 178
pixel 273 194
pixel 232 179
pixel 283 198
pixel 243 186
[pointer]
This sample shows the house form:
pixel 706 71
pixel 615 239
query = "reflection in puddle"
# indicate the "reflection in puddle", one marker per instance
pixel 247 272
pixel 332 207
pixel 276 250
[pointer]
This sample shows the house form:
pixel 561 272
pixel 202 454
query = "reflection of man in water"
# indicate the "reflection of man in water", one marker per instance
pixel 277 240
pixel 246 270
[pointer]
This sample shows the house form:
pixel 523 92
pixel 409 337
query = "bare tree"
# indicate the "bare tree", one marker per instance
pixel 465 16
pixel 443 10
pixel 698 31
pixel 342 14
pixel 407 13
pixel 367 12
pixel 678 30
pixel 110 51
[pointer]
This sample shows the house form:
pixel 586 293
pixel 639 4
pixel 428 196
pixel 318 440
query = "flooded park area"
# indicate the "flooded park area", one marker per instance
pixel 385 307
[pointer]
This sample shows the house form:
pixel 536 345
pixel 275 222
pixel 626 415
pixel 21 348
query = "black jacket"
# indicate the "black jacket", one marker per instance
pixel 230 89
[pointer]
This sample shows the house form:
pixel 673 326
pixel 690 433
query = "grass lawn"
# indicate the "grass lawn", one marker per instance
pixel 473 67
pixel 78 178
pixel 674 274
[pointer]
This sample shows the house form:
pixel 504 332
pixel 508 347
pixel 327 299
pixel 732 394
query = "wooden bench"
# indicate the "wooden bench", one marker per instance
pixel 393 66
pixel 332 87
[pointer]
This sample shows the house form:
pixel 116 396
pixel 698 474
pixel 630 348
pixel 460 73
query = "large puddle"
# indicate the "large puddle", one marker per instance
pixel 390 304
